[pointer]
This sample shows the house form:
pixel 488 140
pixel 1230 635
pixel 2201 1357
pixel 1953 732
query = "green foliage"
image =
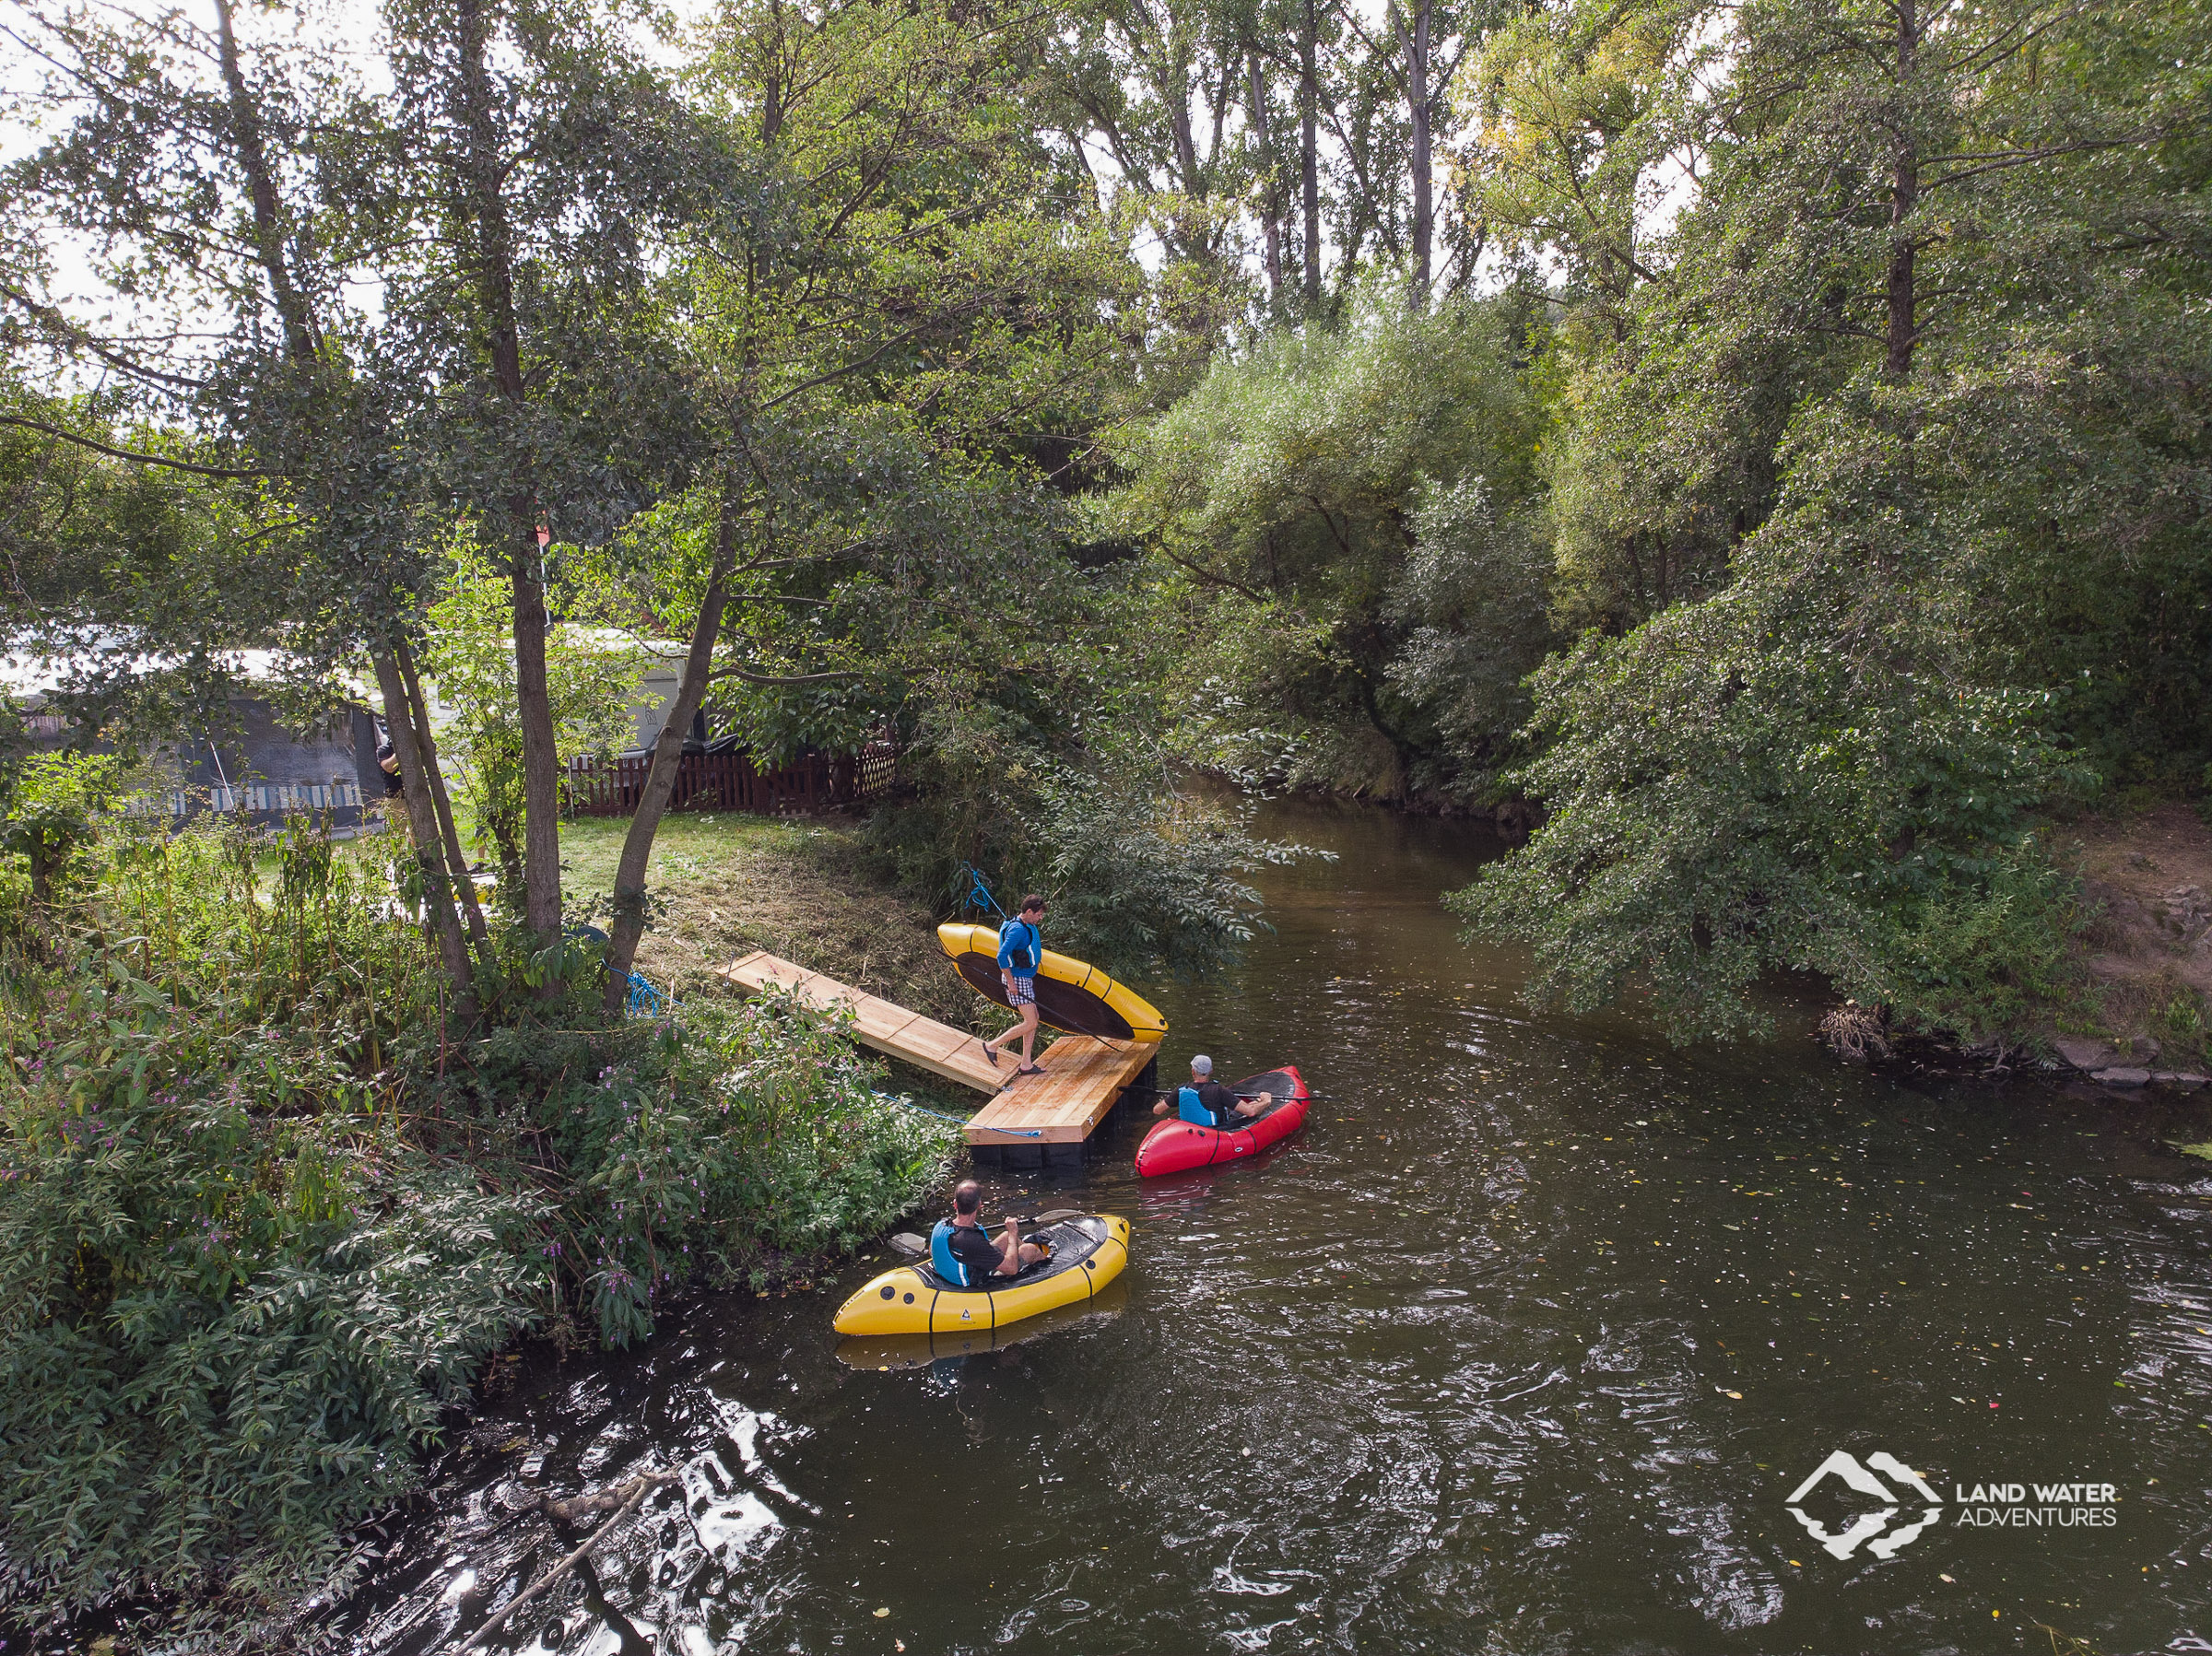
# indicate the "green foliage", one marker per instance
pixel 1886 466
pixel 53 803
pixel 262 1214
pixel 1338 525
pixel 1142 880
pixel 130 583
pixel 1034 732
pixel 236 1297
pixel 1985 961
pixel 700 1148
pixel 592 679
pixel 1743 785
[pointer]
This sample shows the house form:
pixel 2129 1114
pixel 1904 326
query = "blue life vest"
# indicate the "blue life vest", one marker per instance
pixel 942 1260
pixel 1188 1107
pixel 1020 950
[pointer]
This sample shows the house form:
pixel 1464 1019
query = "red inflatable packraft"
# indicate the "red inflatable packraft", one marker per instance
pixel 1176 1146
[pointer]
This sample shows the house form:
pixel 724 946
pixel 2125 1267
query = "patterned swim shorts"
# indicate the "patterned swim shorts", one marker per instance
pixel 1025 992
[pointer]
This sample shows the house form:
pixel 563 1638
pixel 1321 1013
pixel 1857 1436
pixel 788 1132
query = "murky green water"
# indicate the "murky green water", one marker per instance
pixel 1522 1345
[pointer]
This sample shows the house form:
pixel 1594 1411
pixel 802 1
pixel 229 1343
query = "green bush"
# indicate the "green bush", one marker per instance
pixel 232 1304
pixel 1984 962
pixel 756 1130
pixel 263 1211
pixel 53 801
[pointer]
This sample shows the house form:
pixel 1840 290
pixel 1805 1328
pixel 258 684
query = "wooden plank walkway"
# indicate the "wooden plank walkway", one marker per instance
pixel 908 1035
pixel 1082 1078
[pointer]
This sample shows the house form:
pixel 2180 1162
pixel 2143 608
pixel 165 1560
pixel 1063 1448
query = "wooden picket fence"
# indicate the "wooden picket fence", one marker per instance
pixel 731 781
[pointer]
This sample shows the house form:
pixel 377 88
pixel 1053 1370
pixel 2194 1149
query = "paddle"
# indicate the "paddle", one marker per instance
pixel 1248 1098
pixel 906 1242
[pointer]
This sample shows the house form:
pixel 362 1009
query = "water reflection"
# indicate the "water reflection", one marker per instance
pixel 1518 1345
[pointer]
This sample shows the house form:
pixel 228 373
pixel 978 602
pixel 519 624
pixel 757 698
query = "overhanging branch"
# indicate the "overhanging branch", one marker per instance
pixel 113 452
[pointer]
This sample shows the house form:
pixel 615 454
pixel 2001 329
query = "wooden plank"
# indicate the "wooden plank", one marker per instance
pixel 1082 1078
pixel 889 1028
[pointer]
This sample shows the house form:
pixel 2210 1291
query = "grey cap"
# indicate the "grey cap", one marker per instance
pixel 1202 1066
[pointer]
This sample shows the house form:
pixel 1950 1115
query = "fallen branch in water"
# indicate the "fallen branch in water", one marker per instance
pixel 637 1491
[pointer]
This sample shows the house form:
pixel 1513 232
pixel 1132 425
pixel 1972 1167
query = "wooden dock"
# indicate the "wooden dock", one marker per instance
pixel 1030 1119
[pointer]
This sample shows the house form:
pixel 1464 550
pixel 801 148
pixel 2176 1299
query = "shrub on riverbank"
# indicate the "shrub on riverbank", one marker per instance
pixel 264 1213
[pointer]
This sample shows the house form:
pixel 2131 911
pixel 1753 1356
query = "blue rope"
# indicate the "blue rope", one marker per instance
pixel 979 894
pixel 644 999
pixel 959 1120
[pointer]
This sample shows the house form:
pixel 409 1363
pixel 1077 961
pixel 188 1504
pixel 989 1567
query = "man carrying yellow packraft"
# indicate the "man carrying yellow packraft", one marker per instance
pixel 1020 953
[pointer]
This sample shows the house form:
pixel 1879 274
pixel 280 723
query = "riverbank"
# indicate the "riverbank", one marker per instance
pixel 267 1213
pixel 725 884
pixel 2146 954
pixel 2130 1002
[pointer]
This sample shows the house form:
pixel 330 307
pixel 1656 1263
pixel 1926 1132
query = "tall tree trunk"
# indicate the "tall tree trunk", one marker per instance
pixel 1414 43
pixel 422 822
pixel 1177 95
pixel 1271 200
pixel 1904 190
pixel 541 759
pixel 441 802
pixel 261 190
pixel 1308 160
pixel 484 169
pixel 667 758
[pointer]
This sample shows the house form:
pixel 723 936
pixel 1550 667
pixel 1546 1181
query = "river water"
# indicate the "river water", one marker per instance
pixel 1524 1345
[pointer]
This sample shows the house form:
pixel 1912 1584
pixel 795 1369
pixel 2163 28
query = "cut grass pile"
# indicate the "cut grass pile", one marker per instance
pixel 725 884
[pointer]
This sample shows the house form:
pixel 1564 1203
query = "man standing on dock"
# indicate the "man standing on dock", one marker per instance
pixel 1020 953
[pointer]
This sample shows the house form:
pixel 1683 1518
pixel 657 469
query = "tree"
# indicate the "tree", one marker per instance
pixel 173 153
pixel 1917 349
pixel 544 164
pixel 911 293
pixel 1292 490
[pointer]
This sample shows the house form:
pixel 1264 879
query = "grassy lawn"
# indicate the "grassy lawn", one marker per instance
pixel 725 884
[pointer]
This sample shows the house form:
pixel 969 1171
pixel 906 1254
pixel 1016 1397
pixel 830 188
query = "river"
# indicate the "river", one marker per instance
pixel 1524 1345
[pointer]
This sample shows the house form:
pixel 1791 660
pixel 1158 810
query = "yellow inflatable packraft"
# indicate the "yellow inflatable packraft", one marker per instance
pixel 884 1354
pixel 1087 1251
pixel 1072 994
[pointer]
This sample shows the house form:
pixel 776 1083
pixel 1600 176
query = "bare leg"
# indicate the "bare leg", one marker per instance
pixel 1028 1024
pixel 1014 1254
pixel 1026 1029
